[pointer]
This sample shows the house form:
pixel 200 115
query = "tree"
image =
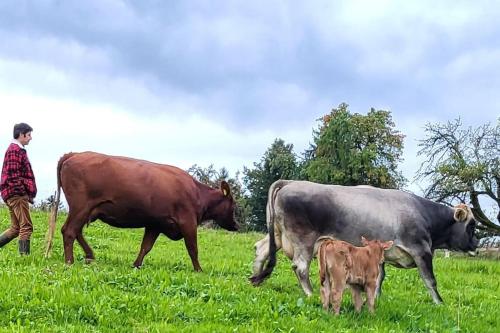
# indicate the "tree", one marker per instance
pixel 208 175
pixel 462 165
pixel 278 162
pixel 46 204
pixel 212 178
pixel 352 149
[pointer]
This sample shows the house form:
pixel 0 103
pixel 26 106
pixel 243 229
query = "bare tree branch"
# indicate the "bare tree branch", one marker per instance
pixel 462 165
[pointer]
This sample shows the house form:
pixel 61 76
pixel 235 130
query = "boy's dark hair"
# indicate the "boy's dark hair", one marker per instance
pixel 21 128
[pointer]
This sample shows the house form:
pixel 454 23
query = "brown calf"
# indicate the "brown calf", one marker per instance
pixel 341 264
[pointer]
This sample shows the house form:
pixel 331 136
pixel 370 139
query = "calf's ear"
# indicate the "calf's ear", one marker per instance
pixel 224 186
pixel 387 245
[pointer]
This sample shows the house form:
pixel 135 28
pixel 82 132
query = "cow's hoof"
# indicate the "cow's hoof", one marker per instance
pixel 254 280
pixel 88 261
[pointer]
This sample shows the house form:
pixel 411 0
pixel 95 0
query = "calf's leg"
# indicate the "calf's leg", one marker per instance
pixel 370 296
pixel 356 297
pixel 325 291
pixel 336 295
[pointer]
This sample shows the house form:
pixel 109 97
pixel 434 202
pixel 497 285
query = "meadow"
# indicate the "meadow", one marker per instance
pixel 166 295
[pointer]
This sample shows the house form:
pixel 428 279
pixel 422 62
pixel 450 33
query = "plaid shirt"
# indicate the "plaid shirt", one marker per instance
pixel 17 175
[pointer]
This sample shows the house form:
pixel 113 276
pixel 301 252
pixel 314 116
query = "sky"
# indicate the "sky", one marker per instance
pixel 215 82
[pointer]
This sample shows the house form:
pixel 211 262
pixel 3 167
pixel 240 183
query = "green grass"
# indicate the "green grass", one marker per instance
pixel 166 295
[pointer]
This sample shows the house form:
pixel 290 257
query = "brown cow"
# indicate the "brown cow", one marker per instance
pixel 341 263
pixel 130 193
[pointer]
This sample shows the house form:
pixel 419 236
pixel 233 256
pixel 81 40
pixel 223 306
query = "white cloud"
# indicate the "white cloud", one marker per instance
pixel 474 64
pixel 62 126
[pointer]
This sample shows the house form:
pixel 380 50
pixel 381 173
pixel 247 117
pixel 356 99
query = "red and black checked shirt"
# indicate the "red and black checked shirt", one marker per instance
pixel 17 175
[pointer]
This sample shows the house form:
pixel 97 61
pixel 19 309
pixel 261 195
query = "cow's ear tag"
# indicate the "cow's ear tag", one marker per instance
pixel 224 186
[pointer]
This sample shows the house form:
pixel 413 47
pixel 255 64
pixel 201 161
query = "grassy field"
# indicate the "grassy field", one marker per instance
pixel 45 295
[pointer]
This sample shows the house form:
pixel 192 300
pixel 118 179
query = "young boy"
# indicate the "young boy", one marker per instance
pixel 18 189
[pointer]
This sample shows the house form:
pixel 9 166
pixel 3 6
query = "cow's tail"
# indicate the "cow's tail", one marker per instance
pixel 271 198
pixel 55 207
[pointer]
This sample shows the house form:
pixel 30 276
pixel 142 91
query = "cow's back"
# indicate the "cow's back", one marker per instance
pixel 348 212
pixel 92 178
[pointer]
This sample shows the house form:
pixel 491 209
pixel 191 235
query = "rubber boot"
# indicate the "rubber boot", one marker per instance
pixel 4 239
pixel 24 246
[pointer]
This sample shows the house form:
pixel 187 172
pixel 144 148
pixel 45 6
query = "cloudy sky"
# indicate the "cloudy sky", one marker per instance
pixel 215 82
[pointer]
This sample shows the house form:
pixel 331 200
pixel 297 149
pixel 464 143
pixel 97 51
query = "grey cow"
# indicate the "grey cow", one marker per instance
pixel 299 212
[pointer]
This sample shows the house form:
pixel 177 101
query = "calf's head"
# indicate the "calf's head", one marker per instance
pixel 377 246
pixel 462 232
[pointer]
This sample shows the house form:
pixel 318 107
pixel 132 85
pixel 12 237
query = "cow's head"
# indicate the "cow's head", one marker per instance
pixel 462 232
pixel 225 210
